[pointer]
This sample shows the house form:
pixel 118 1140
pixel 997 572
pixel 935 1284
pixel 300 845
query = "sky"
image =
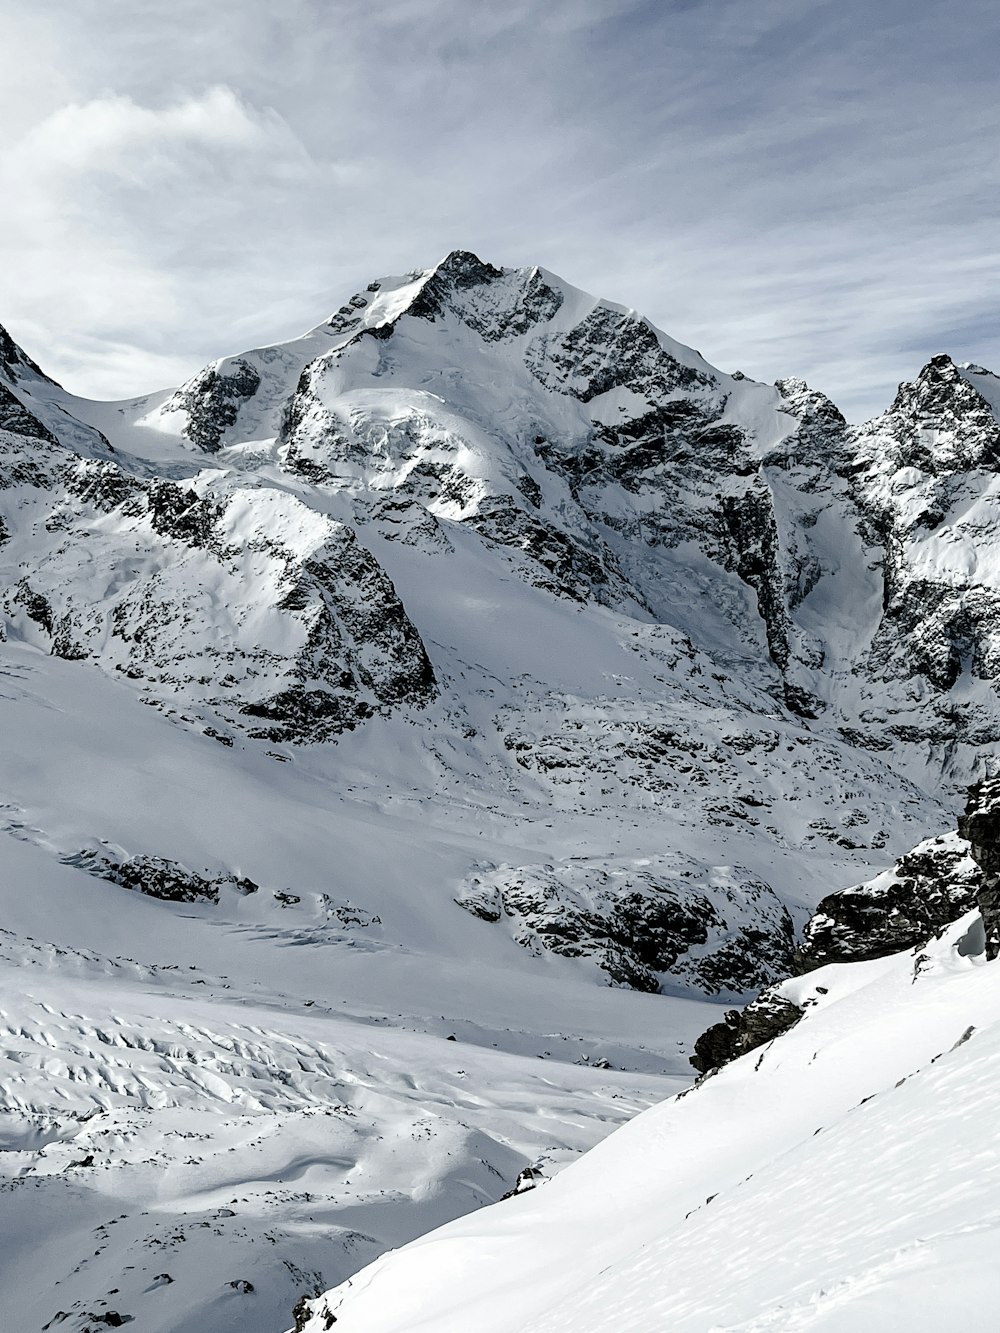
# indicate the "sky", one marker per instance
pixel 794 187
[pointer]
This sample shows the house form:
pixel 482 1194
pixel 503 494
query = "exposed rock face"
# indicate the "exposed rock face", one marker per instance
pixel 315 1310
pixel 529 1178
pixel 754 555
pixel 821 437
pixel 980 823
pixel 609 350
pixel 927 889
pixel 941 424
pixel 157 877
pixel 14 361
pixel 211 401
pixel 362 653
pixel 265 615
pixel 464 287
pixel 567 567
pixel 918 475
pixel 701 769
pixel 717 928
pixel 15 417
pixel 765 1018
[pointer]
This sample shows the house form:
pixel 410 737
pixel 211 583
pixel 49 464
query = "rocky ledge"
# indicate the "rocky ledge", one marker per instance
pixel 980 824
pixel 717 929
pixel 741 1031
pixel 926 890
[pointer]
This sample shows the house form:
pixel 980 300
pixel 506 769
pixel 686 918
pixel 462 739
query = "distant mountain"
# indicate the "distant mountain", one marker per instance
pixel 482 664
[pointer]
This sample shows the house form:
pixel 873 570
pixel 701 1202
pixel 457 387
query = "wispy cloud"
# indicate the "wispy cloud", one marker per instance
pixel 125 218
pixel 797 186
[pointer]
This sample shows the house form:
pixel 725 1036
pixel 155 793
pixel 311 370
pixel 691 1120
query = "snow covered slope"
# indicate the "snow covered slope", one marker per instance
pixel 482 665
pixel 843 1178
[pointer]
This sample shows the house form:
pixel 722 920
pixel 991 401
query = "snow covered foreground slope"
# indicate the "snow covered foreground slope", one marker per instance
pixel 843 1178
pixel 415 680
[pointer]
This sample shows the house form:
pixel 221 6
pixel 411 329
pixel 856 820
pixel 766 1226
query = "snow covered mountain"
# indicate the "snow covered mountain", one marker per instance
pixel 483 665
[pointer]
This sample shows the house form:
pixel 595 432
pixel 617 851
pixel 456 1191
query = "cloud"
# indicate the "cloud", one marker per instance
pixel 110 130
pixel 128 217
pixel 799 186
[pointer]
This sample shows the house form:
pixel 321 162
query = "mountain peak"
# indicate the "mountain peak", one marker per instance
pixel 938 380
pixel 14 361
pixel 943 421
pixel 465 269
pixel 495 302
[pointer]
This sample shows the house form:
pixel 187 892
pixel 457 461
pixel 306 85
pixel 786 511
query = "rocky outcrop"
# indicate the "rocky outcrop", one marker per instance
pixel 764 1019
pixel 980 824
pixel 529 1178
pixel 362 653
pixel 312 1310
pixel 16 418
pixel 926 890
pixel 695 475
pixel 157 877
pixel 229 602
pixel 211 401
pixel 717 929
pixel 755 555
pixel 610 349
pixel 821 437
pixel 565 566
